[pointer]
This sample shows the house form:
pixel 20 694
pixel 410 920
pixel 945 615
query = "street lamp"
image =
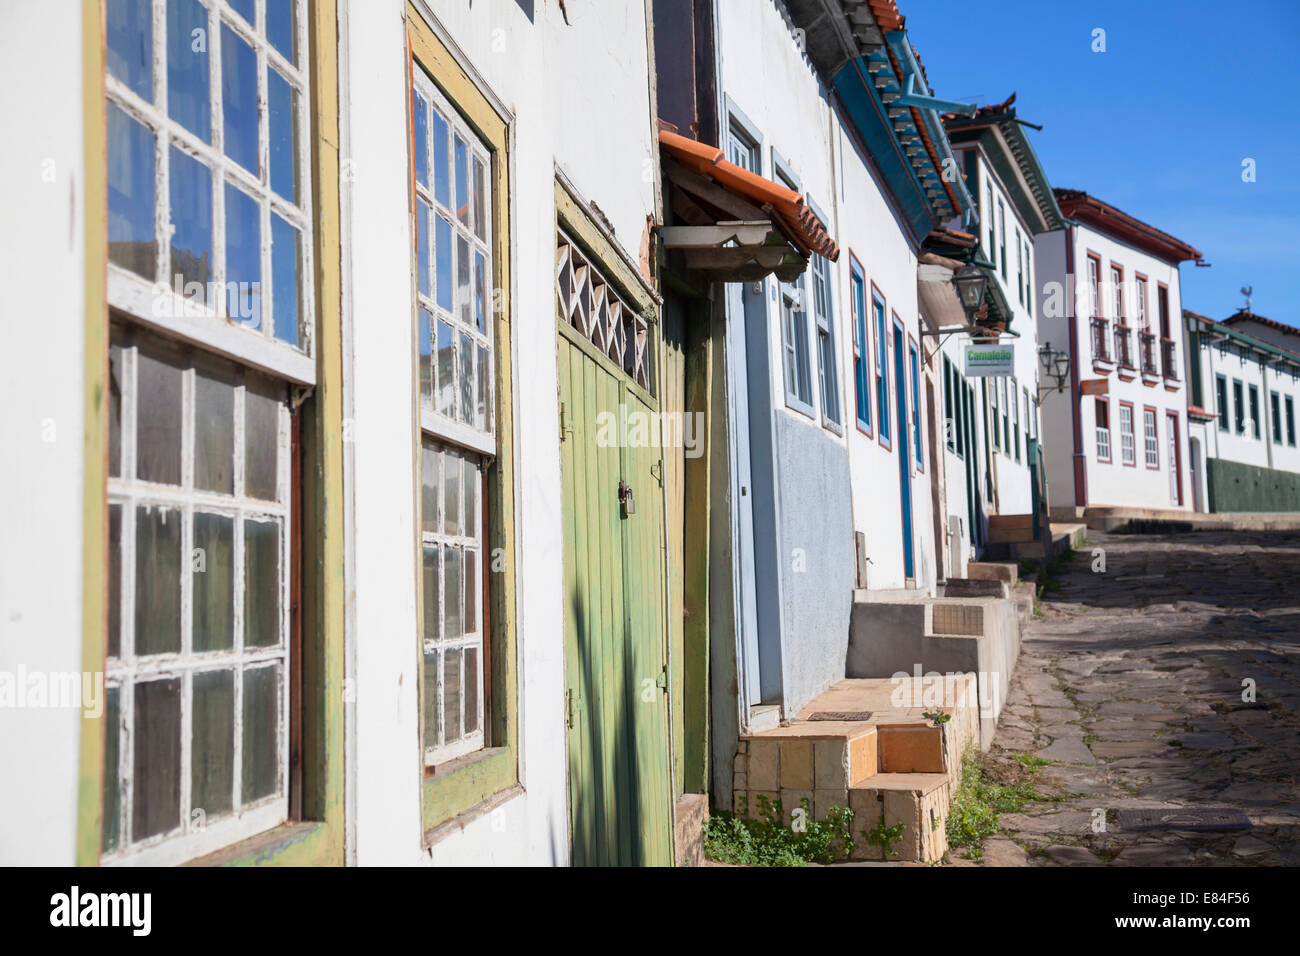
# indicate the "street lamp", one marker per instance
pixel 971 282
pixel 1055 364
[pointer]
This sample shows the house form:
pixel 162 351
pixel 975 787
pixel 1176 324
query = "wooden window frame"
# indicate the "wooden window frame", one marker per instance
pixel 914 370
pixel 880 368
pixel 1221 397
pixel 1289 402
pixel 456 786
pixel 1102 401
pixel 1127 451
pixel 1151 442
pixel 1253 410
pixel 1275 408
pixel 1239 406
pixel 862 373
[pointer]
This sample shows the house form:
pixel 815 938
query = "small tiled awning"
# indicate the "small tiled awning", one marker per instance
pixel 1196 413
pixel 739 226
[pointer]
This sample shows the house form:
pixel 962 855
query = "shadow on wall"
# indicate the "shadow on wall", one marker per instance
pixel 605 790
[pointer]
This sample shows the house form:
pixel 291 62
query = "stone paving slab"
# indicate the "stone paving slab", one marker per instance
pixel 1170 681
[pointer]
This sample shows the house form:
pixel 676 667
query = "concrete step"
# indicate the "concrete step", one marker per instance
pixel 1007 571
pixel 974 587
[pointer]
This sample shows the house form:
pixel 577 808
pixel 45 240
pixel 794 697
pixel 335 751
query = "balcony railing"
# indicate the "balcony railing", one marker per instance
pixel 1169 359
pixel 1147 349
pixel 1101 339
pixel 1123 355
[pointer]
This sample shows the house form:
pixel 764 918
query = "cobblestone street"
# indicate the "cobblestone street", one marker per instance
pixel 1131 685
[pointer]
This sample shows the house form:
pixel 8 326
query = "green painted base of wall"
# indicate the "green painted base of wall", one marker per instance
pixel 1233 486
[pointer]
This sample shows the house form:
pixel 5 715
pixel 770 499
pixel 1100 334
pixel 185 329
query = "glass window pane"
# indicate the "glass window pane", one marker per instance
pixel 128 35
pixel 441 161
pixel 426 358
pixel 452 589
pixel 115 409
pixel 463 302
pixel 286 266
pixel 451 694
pixel 239 99
pixel 156 793
pixel 282 100
pixel 471 689
pixel 114 580
pixel 480 292
pixel 157 580
pixel 158 416
pixel 451 494
pixel 281 29
pixel 261 438
pixel 420 121
pixel 111 829
pixel 466 378
pixel 261 714
pixel 432 609
pixel 446 383
pixel 481 379
pixel 214 427
pixel 130 194
pixel 429 459
pixel 471 591
pixel 243 258
pixel 190 187
pixel 480 210
pixel 432 714
pixel 212 748
pixel 422 246
pixel 188 102
pixel 471 498
pixel 261 583
pixel 442 249
pixel 212 562
pixel 462 182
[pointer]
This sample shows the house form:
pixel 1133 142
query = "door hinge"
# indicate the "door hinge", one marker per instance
pixel 568 707
pixel 657 469
pixel 563 429
pixel 662 680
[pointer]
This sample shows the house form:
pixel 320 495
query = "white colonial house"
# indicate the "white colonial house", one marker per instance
pixel 1108 296
pixel 1244 381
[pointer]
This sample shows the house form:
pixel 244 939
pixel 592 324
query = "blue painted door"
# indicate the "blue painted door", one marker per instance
pixel 903 448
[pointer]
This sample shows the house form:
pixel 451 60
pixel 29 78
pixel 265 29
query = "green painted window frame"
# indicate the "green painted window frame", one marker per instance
pixel 459 786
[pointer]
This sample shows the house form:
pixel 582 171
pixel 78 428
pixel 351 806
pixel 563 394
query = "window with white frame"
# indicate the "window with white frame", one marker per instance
pixel 1152 438
pixel 882 368
pixel 1014 401
pixel 793 302
pixel 994 392
pixel 454 236
pixel 1140 302
pixel 914 365
pixel 1008 391
pixel 1117 294
pixel 1102 408
pixel 209 240
pixel 1029 418
pixel 1094 292
pixel 208 172
pixel 827 368
pixel 1127 439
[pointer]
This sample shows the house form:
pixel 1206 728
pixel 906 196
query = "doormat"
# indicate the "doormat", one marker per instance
pixel 840 715
pixel 1212 818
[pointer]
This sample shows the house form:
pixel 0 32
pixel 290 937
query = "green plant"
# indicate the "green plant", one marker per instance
pixel 770 841
pixel 936 717
pixel 885 837
pixel 977 803
pixel 1031 762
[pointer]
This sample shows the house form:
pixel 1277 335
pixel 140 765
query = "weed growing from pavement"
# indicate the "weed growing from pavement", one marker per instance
pixel 987 790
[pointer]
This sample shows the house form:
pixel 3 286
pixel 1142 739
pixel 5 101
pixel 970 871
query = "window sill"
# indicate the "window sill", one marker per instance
pixel 458 785
pixel 298 843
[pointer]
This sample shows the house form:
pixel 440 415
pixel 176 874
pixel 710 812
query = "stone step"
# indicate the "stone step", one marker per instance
pixel 907 813
pixel 974 587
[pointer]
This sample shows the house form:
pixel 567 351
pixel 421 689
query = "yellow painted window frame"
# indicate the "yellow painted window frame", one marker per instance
pixel 316 837
pixel 462 785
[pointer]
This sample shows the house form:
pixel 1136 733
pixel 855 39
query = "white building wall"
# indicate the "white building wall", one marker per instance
pixel 579 99
pixel 1051 313
pixel 42 392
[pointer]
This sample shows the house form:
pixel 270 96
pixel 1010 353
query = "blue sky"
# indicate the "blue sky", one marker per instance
pixel 1158 125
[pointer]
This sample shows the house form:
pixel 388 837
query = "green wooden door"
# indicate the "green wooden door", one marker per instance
pixel 620 805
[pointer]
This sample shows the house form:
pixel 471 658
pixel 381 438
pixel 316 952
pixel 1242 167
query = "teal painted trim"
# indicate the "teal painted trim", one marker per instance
pixel 1235 487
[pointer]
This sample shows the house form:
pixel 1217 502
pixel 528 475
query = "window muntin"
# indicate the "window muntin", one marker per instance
pixel 882 366
pixel 1102 429
pixel 861 349
pixel 1151 438
pixel 591 305
pixel 1127 439
pixel 199 576
pixel 208 174
pixel 454 285
pixel 1221 393
pixel 827 367
pixel 455 305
